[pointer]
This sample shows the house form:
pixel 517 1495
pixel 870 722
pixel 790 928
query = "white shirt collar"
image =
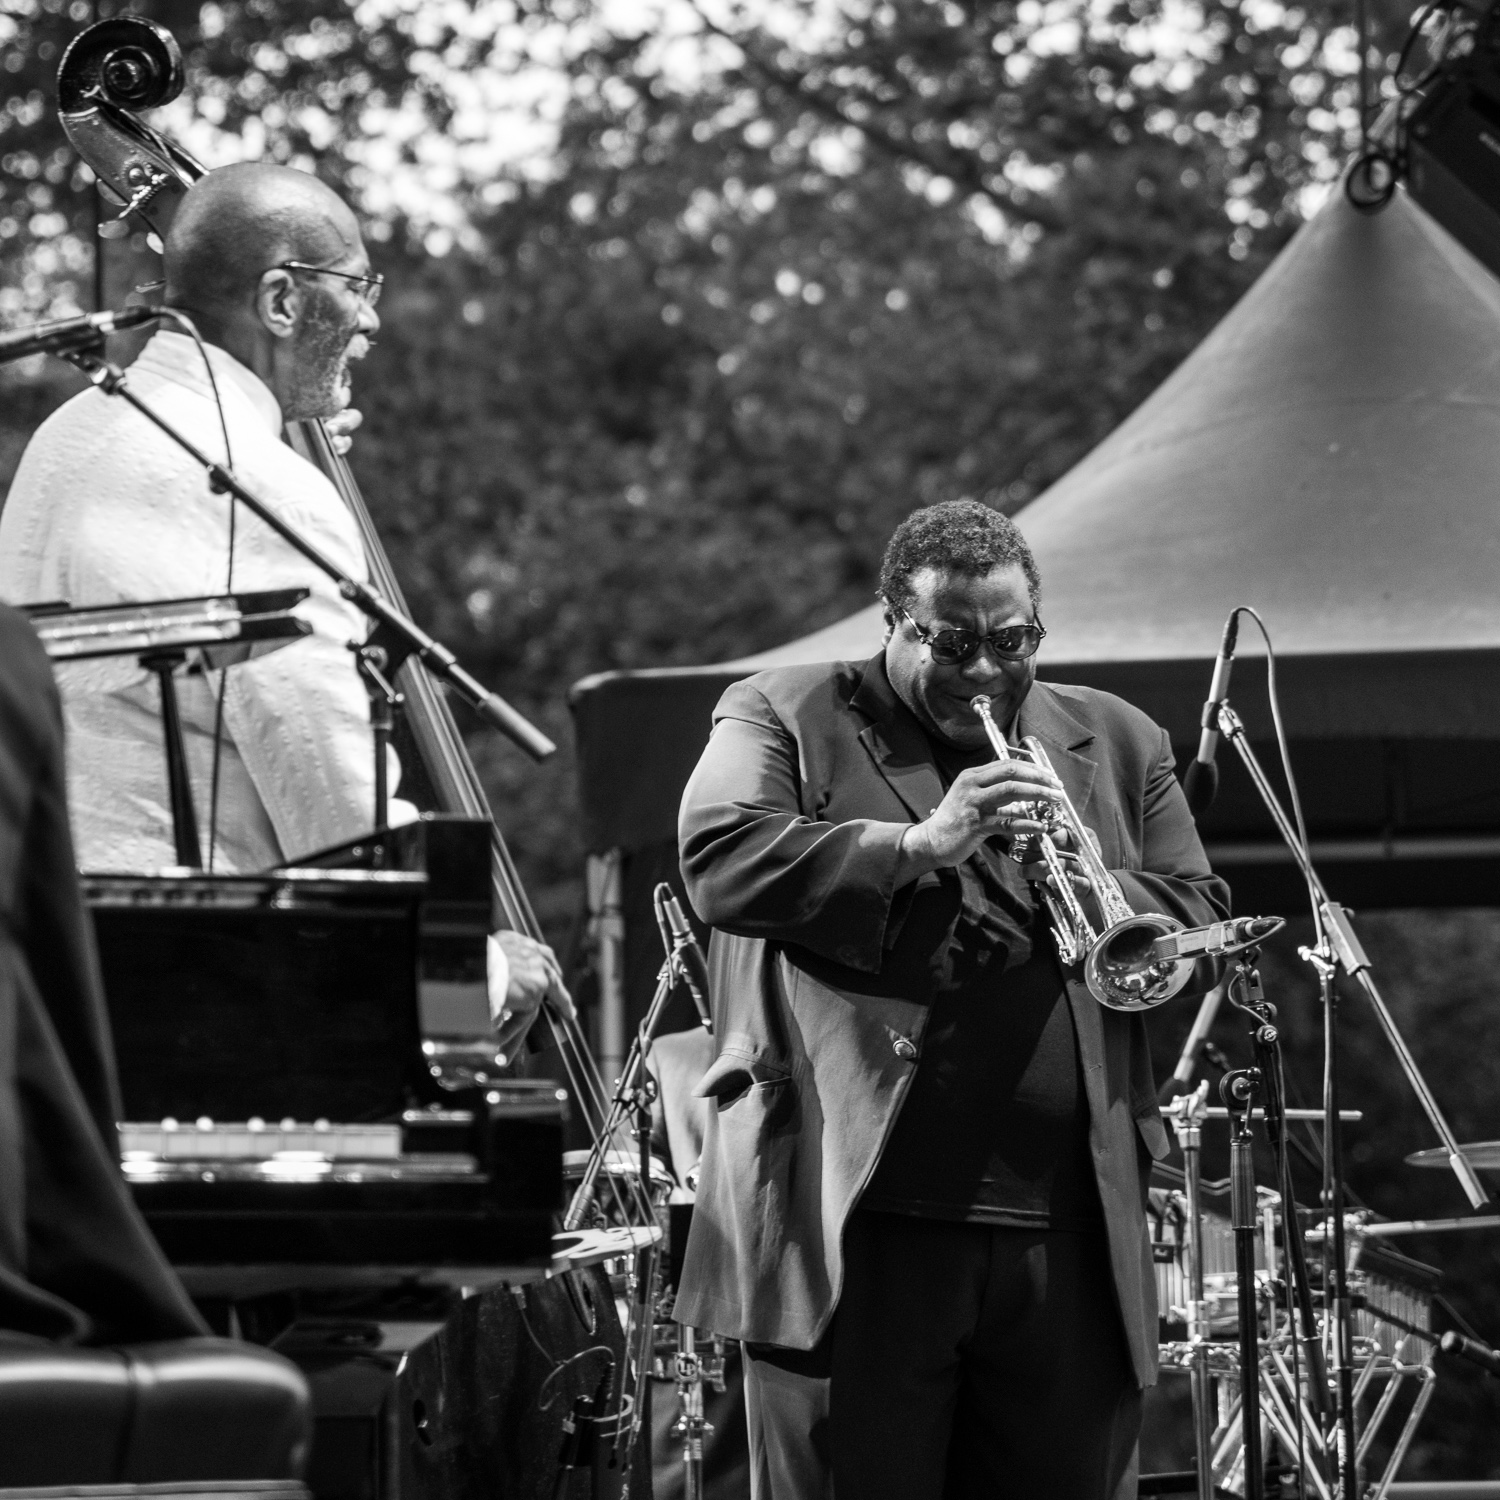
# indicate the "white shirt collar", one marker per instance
pixel 175 357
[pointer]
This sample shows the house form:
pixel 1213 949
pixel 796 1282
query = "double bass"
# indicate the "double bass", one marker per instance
pixel 109 73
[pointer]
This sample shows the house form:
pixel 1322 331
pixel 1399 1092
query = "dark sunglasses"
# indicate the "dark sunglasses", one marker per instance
pixel 369 286
pixel 952 648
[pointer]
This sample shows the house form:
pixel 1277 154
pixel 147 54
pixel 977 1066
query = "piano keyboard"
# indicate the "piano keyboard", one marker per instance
pixel 257 1140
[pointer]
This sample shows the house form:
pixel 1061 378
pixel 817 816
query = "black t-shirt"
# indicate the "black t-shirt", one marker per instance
pixel 995 1127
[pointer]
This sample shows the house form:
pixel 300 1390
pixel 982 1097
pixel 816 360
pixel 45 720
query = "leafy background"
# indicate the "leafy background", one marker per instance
pixel 688 304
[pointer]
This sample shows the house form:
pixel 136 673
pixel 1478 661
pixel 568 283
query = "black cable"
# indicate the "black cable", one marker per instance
pixel 1403 57
pixel 567 1363
pixel 1362 27
pixel 627 1402
pixel 1286 761
pixel 187 324
pixel 1464 1325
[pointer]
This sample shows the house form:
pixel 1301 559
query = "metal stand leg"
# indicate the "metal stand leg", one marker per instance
pixel 1187 1114
pixel 1238 1092
pixel 373 663
pixel 1335 1250
pixel 189 852
pixel 1246 994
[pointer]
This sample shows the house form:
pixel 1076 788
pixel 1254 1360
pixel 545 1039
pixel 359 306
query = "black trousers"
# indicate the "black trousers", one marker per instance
pixel 963 1362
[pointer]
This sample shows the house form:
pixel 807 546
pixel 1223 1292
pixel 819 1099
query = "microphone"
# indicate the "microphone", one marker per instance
pixel 67 334
pixel 689 959
pixel 1216 939
pixel 1472 1350
pixel 1201 784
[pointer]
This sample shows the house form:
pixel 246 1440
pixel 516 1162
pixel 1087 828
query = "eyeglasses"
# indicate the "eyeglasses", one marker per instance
pixel 369 286
pixel 952 648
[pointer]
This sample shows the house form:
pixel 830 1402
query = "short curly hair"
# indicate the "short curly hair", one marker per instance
pixel 958 536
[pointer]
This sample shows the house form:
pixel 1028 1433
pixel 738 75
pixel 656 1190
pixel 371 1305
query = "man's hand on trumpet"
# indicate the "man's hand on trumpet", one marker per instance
pixel 1034 867
pixel 996 799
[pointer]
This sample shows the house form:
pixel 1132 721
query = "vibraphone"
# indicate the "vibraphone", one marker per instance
pixel 1393 1342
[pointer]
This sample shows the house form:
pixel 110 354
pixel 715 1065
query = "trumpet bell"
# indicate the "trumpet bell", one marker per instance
pixel 1121 971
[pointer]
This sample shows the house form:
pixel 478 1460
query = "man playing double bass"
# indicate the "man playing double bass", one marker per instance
pixel 270 266
pixel 921 1203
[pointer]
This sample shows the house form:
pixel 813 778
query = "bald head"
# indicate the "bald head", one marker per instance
pixel 238 222
pixel 296 327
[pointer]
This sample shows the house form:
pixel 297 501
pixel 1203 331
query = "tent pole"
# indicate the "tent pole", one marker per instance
pixel 605 881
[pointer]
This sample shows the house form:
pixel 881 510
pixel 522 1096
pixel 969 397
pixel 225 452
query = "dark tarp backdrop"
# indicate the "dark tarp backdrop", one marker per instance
pixel 1327 455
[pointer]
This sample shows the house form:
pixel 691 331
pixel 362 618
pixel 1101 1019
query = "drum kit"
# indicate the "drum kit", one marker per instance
pixel 637 1259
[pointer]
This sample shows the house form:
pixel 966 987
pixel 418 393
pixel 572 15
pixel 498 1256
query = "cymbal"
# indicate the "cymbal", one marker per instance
pixel 1479 1154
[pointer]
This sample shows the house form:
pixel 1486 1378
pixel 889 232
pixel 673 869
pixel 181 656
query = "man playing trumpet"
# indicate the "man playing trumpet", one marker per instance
pixel 923 1185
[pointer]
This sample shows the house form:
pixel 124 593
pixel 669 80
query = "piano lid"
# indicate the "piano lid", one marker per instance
pixel 286 995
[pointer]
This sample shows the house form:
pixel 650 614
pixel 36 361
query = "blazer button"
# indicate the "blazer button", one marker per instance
pixel 904 1049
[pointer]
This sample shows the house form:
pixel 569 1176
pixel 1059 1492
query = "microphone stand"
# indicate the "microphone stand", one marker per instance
pixel 1246 993
pixel 1187 1062
pixel 1337 947
pixel 1187 1113
pixel 398 636
pixel 1238 1090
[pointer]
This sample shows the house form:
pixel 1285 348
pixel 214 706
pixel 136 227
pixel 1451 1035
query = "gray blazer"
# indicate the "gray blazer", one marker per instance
pixel 789 835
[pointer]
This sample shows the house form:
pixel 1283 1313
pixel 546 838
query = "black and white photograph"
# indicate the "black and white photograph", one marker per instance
pixel 749 749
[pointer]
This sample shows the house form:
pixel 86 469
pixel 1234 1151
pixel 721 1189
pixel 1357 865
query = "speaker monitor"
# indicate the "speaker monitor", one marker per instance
pixel 1453 150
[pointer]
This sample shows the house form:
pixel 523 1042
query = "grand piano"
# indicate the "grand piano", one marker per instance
pixel 293 1118
pixel 338 1163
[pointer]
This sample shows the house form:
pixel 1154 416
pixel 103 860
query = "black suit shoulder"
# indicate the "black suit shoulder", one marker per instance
pixel 1096 707
pixel 783 697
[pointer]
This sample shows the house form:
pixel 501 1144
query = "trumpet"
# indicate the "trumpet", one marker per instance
pixel 1119 966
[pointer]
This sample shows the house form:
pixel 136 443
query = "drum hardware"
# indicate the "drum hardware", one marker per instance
pixel 694 1367
pixel 634 1094
pixel 1119 966
pixel 1186 1114
pixel 1238 1090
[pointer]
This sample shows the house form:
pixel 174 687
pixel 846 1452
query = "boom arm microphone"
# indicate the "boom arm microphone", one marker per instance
pixel 688 957
pixel 1472 1350
pixel 1201 784
pixel 69 334
pixel 1216 939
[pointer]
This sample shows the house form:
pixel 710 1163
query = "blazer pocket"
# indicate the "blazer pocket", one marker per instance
pixel 734 1072
pixel 763 1108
